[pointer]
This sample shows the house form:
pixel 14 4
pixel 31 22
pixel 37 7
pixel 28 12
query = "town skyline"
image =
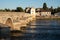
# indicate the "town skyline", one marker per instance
pixel 12 4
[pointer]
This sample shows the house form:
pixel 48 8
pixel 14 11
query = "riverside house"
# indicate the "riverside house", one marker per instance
pixel 27 9
pixel 38 11
pixel 30 10
pixel 43 12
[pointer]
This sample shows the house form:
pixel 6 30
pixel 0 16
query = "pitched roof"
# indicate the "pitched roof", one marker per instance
pixel 42 10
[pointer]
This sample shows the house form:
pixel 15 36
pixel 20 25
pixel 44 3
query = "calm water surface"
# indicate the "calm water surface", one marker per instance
pixel 41 30
pixel 44 30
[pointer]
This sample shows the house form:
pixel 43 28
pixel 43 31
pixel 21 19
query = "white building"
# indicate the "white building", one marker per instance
pixel 46 13
pixel 43 12
pixel 32 11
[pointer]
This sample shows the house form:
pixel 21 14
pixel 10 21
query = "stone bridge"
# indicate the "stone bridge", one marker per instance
pixel 15 19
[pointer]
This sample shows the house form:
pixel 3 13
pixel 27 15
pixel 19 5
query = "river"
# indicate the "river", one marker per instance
pixel 41 30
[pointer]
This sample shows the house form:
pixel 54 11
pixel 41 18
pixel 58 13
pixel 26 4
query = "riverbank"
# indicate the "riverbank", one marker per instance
pixel 48 18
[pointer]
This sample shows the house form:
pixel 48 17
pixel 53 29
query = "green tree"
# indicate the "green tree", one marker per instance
pixel 19 9
pixel 58 9
pixel 52 10
pixel 1 10
pixel 55 10
pixel 7 9
pixel 13 10
pixel 45 6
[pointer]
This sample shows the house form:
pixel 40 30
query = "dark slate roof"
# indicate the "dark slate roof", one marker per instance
pixel 42 10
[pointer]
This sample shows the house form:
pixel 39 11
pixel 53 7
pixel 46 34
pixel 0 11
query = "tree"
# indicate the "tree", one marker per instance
pixel 52 10
pixel 7 9
pixel 13 10
pixel 45 6
pixel 55 10
pixel 19 9
pixel 1 9
pixel 58 9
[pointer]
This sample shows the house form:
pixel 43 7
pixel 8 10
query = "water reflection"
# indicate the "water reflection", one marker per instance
pixel 39 30
pixel 45 29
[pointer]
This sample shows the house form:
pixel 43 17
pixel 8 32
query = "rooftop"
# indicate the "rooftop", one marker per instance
pixel 42 10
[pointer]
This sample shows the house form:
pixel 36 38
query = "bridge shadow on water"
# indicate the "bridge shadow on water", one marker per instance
pixel 50 31
pixel 37 36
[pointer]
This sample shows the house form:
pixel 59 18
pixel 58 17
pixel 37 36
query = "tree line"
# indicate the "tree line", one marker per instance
pixel 53 10
pixel 18 9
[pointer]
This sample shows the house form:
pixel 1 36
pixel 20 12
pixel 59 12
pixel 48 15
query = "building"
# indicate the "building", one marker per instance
pixel 38 11
pixel 27 9
pixel 43 12
pixel 30 10
pixel 57 14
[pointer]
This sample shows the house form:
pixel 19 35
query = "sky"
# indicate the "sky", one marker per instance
pixel 12 4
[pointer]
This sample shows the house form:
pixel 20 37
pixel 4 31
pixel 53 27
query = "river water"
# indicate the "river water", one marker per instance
pixel 41 30
pixel 44 30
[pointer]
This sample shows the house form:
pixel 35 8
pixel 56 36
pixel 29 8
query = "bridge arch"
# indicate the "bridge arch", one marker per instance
pixel 9 22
